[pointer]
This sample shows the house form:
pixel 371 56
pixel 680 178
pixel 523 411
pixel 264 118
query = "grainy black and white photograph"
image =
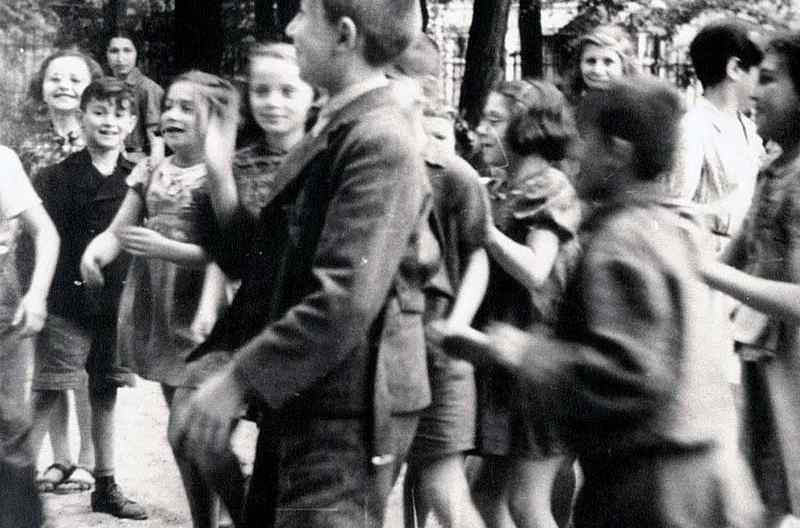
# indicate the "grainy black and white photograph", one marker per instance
pixel 400 263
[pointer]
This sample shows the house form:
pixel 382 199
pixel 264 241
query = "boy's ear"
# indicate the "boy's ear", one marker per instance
pixel 348 32
pixel 733 68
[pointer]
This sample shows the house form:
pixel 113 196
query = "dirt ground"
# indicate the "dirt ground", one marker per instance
pixel 146 470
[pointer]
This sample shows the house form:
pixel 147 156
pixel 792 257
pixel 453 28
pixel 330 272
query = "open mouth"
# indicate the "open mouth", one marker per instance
pixel 171 130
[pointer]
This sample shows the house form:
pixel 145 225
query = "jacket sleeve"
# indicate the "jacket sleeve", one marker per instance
pixel 620 365
pixel 365 236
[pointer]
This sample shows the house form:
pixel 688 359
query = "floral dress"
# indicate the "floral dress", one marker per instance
pixel 160 298
pixel 510 421
pixel 46 147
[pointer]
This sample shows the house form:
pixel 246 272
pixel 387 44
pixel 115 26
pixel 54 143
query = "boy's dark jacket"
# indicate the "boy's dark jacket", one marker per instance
pixel 82 203
pixel 328 319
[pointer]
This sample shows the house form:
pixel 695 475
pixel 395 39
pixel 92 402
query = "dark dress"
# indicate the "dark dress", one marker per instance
pixel 510 419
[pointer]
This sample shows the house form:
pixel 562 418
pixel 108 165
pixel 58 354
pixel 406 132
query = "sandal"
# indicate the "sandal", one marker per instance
pixel 45 484
pixel 80 480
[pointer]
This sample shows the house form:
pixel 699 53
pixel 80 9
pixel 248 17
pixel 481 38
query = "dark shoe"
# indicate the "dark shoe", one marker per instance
pixel 112 501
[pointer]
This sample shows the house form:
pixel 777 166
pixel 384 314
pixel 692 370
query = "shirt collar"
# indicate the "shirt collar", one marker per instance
pixel 345 97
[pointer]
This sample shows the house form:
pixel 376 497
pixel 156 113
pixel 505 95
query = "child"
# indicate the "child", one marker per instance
pixel 604 54
pixel 436 484
pixel 278 101
pixel 21 316
pixel 527 130
pixel 325 332
pixel 121 55
pixel 768 342
pixel 82 194
pixel 165 281
pixel 55 93
pixel 626 370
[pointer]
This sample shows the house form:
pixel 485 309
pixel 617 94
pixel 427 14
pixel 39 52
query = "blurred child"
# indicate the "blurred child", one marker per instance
pixel 626 370
pixel 436 484
pixel 165 222
pixel 21 316
pixel 82 194
pixel 768 341
pixel 526 131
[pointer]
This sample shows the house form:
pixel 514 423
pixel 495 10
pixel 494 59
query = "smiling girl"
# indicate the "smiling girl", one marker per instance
pixel 604 54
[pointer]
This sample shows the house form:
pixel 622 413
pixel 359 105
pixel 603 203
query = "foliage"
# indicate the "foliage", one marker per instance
pixel 25 16
pixel 665 17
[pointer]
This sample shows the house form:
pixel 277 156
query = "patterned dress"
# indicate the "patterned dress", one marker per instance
pixel 46 147
pixel 254 170
pixel 160 298
pixel 510 421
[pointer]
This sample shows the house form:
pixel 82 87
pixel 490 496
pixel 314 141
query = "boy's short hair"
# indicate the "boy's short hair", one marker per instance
pixel 714 46
pixel 109 89
pixel 787 45
pixel 388 26
pixel 645 112
pixel 541 121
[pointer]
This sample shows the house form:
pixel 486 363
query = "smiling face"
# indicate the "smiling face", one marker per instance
pixel 279 99
pixel 315 40
pixel 121 56
pixel 183 112
pixel 599 66
pixel 64 81
pixel 492 129
pixel 777 102
pixel 107 123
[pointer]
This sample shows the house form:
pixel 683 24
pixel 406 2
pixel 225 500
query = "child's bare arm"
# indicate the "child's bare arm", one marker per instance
pixel 212 301
pixel 144 242
pixel 775 298
pixel 105 247
pixel 32 310
pixel 220 148
pixel 529 263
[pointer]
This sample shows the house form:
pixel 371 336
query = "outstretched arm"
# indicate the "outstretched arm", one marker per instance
pixel 529 263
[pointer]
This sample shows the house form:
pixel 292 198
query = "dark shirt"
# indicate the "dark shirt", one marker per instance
pixel 82 203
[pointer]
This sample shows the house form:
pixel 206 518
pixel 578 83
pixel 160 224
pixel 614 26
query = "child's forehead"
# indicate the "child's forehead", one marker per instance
pixel 117 103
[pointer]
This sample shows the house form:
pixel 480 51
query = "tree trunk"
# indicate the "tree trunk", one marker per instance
pixel 198 35
pixel 485 55
pixel 423 4
pixel 530 36
pixel 266 21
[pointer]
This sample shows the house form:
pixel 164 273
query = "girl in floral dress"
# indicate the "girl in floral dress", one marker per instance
pixel 525 131
pixel 165 222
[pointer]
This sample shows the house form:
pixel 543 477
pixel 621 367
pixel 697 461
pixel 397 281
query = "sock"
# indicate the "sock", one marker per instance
pixel 104 484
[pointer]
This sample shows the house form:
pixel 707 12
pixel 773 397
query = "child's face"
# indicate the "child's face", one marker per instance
pixel 492 128
pixel 315 39
pixel 181 120
pixel 777 102
pixel 121 56
pixel 64 81
pixel 440 133
pixel 599 66
pixel 107 123
pixel 279 99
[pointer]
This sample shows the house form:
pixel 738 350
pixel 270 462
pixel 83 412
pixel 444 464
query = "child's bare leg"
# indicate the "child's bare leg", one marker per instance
pixel 441 493
pixel 530 491
pixel 59 429
pixel 83 409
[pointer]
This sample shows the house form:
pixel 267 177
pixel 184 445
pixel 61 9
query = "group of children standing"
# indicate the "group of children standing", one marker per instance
pixel 325 279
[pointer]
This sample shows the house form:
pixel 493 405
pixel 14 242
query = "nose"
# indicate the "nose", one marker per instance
pixel 292 27
pixel 482 128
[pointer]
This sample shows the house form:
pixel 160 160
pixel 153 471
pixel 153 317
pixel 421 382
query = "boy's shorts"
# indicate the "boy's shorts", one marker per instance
pixel 447 426
pixel 66 352
pixel 61 351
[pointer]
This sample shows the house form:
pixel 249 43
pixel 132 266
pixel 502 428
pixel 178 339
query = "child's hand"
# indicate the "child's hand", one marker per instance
pixel 202 325
pixel 221 129
pixel 30 315
pixel 142 242
pixel 92 268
